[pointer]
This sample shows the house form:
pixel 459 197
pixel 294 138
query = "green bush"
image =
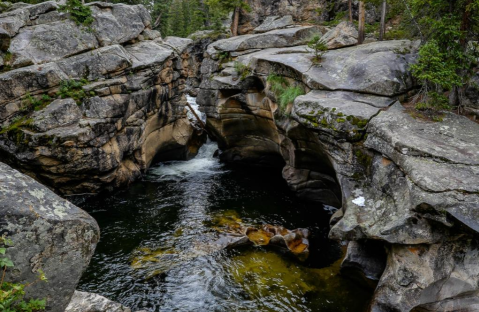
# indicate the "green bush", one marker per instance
pixel 79 13
pixel 284 92
pixel 16 124
pixel 438 73
pixel 277 83
pixel 73 89
pixel 32 103
pixel 12 294
pixel 289 95
pixel 435 67
pixel 242 70
pixel 224 57
pixel 449 55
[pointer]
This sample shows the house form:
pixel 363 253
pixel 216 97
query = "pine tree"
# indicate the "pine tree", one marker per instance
pixel 449 52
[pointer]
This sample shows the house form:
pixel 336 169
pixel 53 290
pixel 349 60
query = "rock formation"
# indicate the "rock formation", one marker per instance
pixel 84 109
pixel 48 234
pixel 408 184
pixel 83 301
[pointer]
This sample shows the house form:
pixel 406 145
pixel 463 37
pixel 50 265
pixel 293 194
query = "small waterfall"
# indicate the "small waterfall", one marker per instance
pixel 204 164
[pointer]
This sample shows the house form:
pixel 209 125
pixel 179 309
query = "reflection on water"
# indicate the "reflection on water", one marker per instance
pixel 155 251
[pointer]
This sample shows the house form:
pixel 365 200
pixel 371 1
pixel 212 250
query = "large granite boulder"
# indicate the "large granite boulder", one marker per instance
pixel 378 68
pixel 58 114
pixel 302 11
pixel 343 35
pixel 50 42
pixel 274 22
pixel 39 34
pixel 48 234
pixel 244 115
pixel 272 39
pixel 118 23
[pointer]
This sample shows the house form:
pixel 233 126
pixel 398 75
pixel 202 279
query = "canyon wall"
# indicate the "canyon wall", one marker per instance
pixel 88 108
pixel 407 184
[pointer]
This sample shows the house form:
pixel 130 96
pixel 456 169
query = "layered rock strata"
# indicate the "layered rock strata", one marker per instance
pixel 410 185
pixel 84 109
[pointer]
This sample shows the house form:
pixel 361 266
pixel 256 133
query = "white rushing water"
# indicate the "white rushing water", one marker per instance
pixel 203 164
pixel 192 101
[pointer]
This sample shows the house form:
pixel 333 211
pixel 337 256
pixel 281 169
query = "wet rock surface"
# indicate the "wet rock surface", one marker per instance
pixel 48 233
pixel 83 301
pixel 84 111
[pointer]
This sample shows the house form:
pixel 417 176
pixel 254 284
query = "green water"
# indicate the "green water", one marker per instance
pixel 155 249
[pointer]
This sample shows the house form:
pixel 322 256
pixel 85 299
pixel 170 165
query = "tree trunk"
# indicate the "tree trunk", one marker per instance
pixel 350 5
pixel 382 30
pixel 362 20
pixel 157 21
pixel 465 25
pixel 234 27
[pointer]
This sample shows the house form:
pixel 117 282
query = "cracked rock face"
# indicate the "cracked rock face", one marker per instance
pixel 128 110
pixel 442 276
pixel 408 185
pixel 48 233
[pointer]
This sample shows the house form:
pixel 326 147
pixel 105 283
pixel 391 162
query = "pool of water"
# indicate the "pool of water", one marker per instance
pixel 155 251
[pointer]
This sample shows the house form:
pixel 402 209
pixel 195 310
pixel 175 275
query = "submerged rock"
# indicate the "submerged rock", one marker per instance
pixel 274 281
pixel 259 237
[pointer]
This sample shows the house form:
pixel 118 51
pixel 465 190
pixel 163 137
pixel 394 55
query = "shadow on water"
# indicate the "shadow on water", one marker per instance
pixel 155 251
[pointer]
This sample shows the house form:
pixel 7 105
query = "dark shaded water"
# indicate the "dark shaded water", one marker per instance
pixel 155 251
pixel 171 213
